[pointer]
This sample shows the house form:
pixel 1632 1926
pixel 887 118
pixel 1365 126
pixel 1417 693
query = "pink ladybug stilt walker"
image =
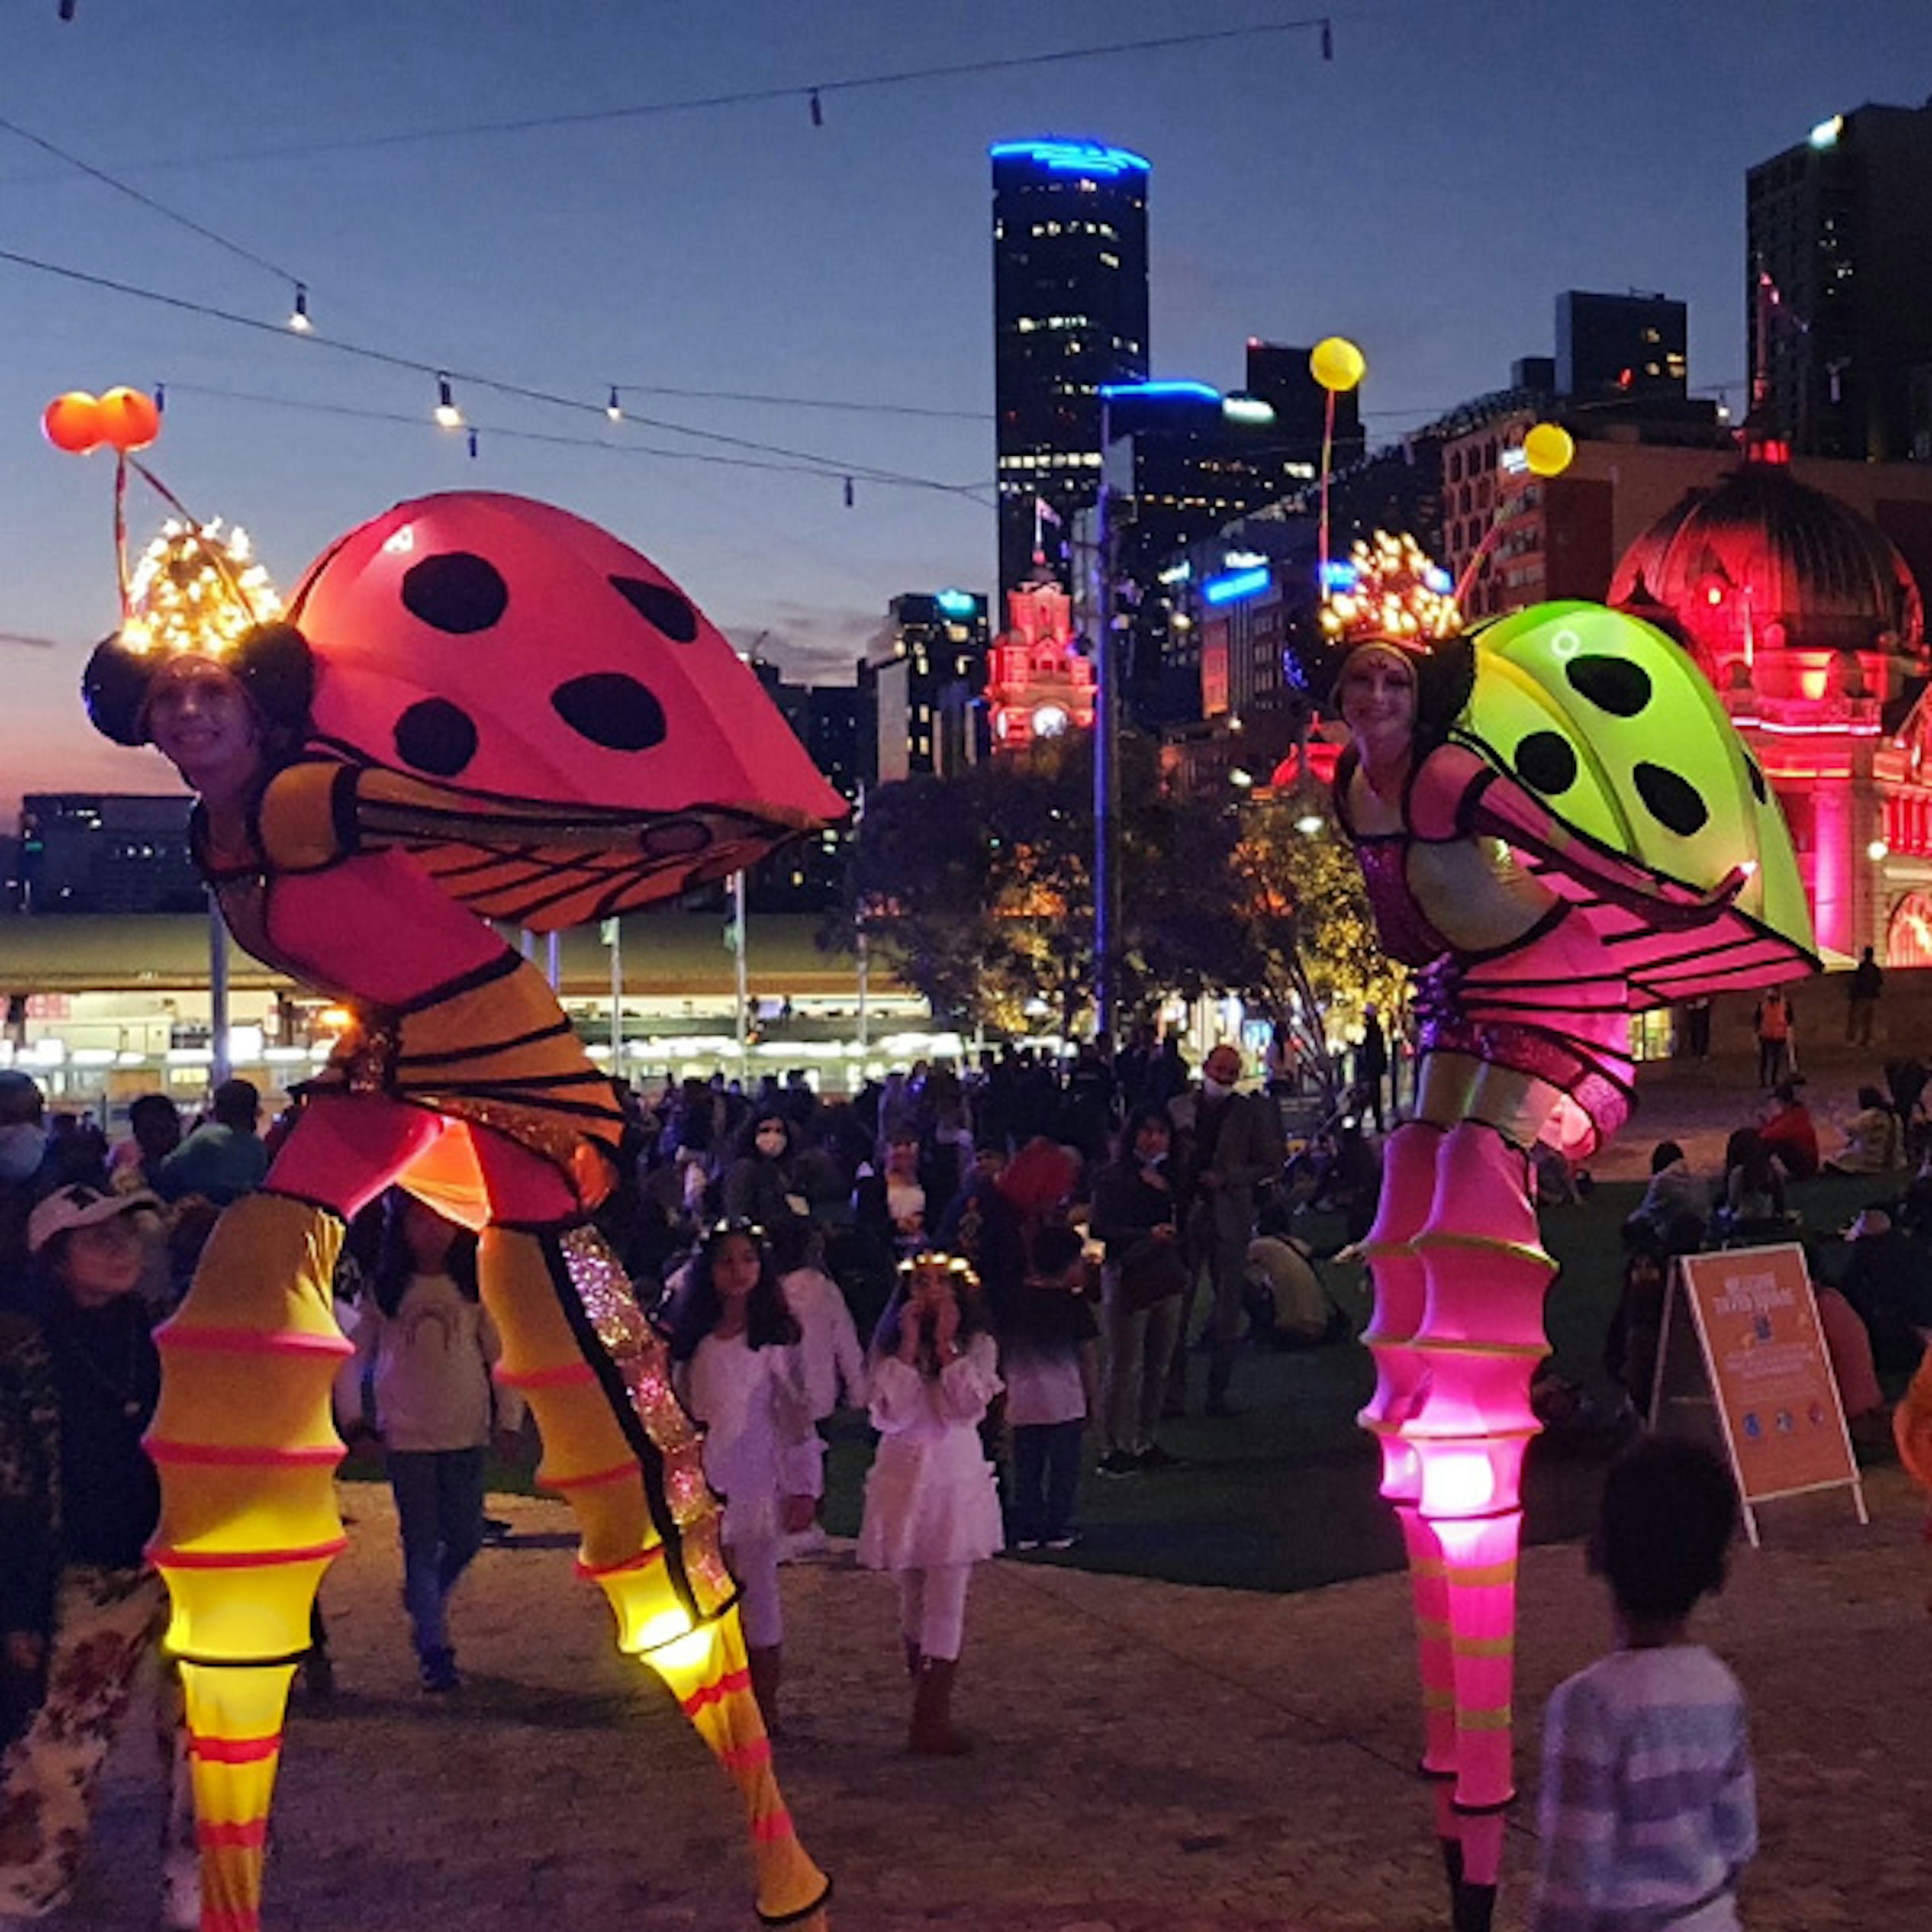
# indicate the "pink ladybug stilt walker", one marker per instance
pixel 476 705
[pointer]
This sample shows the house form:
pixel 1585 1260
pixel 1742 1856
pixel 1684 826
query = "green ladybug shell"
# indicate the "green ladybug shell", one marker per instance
pixel 1611 727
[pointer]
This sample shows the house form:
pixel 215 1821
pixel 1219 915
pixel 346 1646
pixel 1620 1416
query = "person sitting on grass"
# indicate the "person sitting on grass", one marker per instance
pixel 1788 1134
pixel 1648 1811
pixel 1872 1138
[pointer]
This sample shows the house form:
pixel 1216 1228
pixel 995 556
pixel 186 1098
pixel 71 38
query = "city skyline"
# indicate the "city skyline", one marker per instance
pixel 1430 192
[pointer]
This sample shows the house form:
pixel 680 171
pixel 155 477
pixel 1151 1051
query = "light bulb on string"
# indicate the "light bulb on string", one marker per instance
pixel 160 399
pixel 848 493
pixel 448 415
pixel 472 445
pixel 299 320
pixel 613 409
pixel 817 110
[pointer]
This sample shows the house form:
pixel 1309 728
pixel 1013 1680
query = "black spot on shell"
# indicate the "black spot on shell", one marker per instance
pixel 1759 790
pixel 436 737
pixel 612 710
pixel 1673 801
pixel 1615 685
pixel 457 592
pixel 1547 762
pixel 660 605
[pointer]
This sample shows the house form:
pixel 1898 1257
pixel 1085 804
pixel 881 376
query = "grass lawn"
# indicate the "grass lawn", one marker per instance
pixel 1283 1497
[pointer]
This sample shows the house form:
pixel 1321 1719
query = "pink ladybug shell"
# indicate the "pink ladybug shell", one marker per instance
pixel 511 653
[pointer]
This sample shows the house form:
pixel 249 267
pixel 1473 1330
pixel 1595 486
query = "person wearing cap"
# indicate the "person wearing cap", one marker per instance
pixel 80 1607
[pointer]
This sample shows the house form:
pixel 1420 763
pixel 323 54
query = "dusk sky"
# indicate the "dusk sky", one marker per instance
pixel 1429 194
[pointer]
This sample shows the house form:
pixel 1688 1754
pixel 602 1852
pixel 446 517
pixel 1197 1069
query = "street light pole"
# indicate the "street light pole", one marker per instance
pixel 1106 726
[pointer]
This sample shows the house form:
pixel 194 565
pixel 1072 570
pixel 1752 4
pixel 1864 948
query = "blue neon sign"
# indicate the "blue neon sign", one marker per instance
pixel 1236 585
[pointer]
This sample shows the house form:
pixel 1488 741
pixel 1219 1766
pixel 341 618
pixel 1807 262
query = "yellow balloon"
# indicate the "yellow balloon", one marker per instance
pixel 1337 363
pixel 1548 449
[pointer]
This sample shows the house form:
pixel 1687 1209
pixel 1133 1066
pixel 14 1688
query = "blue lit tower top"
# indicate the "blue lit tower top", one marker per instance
pixel 1069 314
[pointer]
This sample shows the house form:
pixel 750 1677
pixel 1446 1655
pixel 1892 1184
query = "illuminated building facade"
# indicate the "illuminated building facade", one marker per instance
pixel 1040 684
pixel 1840 229
pixel 1810 624
pixel 919 703
pixel 1069 316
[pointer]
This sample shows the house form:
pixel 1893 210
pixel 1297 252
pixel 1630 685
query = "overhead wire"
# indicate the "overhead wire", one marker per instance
pixel 834 465
pixel 802 91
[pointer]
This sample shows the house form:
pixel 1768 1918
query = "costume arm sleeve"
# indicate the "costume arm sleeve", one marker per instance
pixel 1458 793
pixel 316 812
pixel 1576 1819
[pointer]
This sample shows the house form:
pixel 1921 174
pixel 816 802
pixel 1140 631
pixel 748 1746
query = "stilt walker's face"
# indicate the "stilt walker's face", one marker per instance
pixel 1376 693
pixel 199 719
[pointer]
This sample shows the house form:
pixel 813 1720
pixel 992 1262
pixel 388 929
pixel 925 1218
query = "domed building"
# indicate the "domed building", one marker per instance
pixel 1807 621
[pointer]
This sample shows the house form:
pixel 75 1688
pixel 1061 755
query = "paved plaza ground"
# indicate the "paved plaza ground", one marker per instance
pixel 1155 1756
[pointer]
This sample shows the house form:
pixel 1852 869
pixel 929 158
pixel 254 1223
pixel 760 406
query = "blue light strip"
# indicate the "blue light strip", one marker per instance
pixel 1236 585
pixel 1072 156
pixel 1201 392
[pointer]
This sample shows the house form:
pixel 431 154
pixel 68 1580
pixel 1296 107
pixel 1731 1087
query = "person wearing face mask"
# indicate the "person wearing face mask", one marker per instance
pixel 759 1186
pixel 1230 1145
pixel 23 1146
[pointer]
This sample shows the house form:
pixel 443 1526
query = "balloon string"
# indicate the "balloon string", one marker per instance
pixel 121 533
pixel 193 522
pixel 1504 510
pixel 1327 464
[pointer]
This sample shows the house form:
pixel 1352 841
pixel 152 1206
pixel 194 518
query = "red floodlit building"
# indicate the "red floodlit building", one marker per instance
pixel 1038 684
pixel 1807 620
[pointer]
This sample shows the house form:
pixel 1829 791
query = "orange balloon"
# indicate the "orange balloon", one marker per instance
pixel 72 422
pixel 129 420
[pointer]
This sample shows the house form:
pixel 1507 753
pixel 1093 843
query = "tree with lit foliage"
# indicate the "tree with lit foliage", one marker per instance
pixel 1301 889
pixel 979 889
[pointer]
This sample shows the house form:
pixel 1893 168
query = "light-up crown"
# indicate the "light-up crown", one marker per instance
pixel 195 592
pixel 1389 591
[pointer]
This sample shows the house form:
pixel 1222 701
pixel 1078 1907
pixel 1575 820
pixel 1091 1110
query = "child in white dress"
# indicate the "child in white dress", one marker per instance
pixel 831 1365
pixel 932 1509
pixel 734 1369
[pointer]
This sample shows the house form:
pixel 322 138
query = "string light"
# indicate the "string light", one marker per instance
pixel 195 590
pixel 298 321
pixel 848 493
pixel 448 415
pixel 472 445
pixel 817 109
pixel 613 409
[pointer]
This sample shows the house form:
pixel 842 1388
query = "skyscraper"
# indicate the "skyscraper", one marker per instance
pixel 1069 314
pixel 1613 347
pixel 1839 286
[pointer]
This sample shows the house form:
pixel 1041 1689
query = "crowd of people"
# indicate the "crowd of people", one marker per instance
pixel 995 1269
pixel 1001 1270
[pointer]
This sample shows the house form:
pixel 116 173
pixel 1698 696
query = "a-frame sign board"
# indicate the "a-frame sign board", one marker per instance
pixel 1764 1371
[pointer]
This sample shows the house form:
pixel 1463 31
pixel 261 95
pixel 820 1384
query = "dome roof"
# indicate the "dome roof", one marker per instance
pixel 1761 549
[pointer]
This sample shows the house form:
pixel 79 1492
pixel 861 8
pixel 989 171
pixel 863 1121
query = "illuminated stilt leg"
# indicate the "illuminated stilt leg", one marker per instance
pixel 618 1444
pixel 1402 1376
pixel 246 1447
pixel 1482 1336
